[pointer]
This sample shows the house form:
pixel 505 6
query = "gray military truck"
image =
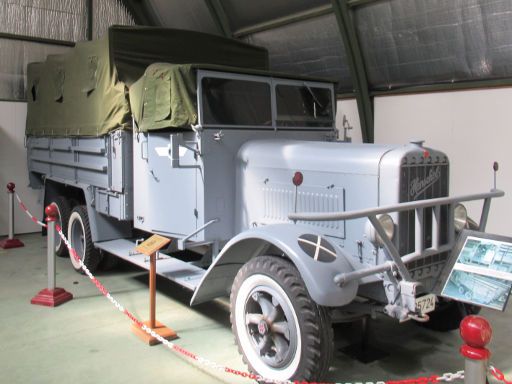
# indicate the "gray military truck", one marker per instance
pixel 186 135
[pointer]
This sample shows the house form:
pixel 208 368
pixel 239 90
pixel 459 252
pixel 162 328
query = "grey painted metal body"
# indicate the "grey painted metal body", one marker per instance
pixel 230 188
pixel 101 167
pixel 278 239
pixel 194 171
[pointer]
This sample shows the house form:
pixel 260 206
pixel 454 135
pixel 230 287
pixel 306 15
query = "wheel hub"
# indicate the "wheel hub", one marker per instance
pixel 263 327
pixel 267 318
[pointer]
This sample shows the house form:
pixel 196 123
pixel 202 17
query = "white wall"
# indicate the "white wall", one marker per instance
pixel 13 167
pixel 472 127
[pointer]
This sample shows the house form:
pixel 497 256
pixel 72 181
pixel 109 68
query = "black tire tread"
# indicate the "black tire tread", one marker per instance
pixel 92 256
pixel 108 262
pixel 315 320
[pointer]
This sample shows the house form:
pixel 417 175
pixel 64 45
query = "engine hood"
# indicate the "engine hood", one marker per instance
pixel 361 159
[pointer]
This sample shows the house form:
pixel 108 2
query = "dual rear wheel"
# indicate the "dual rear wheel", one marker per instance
pixel 74 221
pixel 79 235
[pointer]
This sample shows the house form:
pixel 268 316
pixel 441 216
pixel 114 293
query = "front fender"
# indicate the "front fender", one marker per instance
pixel 318 276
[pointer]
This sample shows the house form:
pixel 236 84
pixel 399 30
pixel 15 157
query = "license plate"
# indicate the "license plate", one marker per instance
pixel 426 304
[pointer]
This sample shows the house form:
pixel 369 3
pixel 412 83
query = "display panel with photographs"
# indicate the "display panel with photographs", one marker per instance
pixel 481 274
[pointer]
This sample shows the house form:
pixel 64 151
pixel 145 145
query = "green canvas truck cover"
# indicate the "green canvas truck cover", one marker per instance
pixel 165 97
pixel 85 91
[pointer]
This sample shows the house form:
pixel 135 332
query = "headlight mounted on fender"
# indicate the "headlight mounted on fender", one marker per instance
pixel 387 223
pixel 460 217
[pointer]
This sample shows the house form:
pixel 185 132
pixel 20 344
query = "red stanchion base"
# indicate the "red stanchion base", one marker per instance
pixel 160 329
pixel 11 243
pixel 51 298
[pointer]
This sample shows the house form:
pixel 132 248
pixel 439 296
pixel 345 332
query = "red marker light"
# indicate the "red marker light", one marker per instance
pixel 298 178
pixel 426 153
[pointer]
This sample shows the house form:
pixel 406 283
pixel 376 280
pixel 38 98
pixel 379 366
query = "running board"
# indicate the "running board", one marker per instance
pixel 181 272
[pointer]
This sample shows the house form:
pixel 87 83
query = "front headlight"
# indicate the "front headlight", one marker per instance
pixel 460 217
pixel 387 224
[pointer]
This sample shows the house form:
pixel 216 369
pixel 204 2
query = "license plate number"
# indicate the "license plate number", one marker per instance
pixel 426 304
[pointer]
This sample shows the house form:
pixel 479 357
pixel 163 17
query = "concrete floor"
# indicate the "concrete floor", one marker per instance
pixel 87 340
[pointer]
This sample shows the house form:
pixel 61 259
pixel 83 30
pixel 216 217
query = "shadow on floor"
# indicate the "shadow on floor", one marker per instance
pixel 406 346
pixel 217 310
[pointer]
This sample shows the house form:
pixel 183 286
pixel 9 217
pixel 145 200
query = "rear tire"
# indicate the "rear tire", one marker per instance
pixel 280 331
pixel 79 235
pixel 64 210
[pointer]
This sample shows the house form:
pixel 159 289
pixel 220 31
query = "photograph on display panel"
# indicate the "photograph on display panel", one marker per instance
pixel 481 274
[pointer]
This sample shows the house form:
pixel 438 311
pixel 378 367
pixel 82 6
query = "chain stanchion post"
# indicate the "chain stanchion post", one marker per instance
pixel 476 333
pixel 51 296
pixel 11 242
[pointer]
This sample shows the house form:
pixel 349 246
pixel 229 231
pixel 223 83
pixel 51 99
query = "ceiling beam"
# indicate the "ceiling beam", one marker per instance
pixel 358 3
pixel 35 39
pixel 219 16
pixel 357 67
pixel 435 87
pixel 90 16
pixel 142 12
pixel 445 87
pixel 285 20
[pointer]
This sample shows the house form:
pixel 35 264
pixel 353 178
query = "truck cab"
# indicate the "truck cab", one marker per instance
pixel 266 173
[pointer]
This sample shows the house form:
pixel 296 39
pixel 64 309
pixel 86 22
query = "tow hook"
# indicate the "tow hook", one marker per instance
pixel 419 318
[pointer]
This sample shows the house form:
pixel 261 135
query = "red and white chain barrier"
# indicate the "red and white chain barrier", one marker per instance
pixel 500 376
pixel 446 377
pixel 25 209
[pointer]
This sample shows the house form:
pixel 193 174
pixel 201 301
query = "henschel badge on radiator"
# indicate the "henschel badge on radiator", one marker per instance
pixel 418 185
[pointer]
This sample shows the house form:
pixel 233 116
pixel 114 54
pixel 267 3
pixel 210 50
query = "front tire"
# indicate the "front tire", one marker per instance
pixel 79 235
pixel 280 331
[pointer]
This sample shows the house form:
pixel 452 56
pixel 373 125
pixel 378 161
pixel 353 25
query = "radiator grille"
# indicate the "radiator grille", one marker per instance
pixel 418 181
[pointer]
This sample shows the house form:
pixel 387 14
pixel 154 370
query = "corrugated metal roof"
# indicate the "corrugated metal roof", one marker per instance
pixel 403 42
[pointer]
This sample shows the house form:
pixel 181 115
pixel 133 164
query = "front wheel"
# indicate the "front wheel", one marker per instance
pixel 79 235
pixel 281 332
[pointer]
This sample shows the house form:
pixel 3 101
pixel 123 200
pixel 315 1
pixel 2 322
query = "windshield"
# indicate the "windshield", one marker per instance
pixel 236 102
pixel 264 102
pixel 303 106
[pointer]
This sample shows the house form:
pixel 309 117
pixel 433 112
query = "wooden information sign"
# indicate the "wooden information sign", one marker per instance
pixel 149 248
pixel 153 244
